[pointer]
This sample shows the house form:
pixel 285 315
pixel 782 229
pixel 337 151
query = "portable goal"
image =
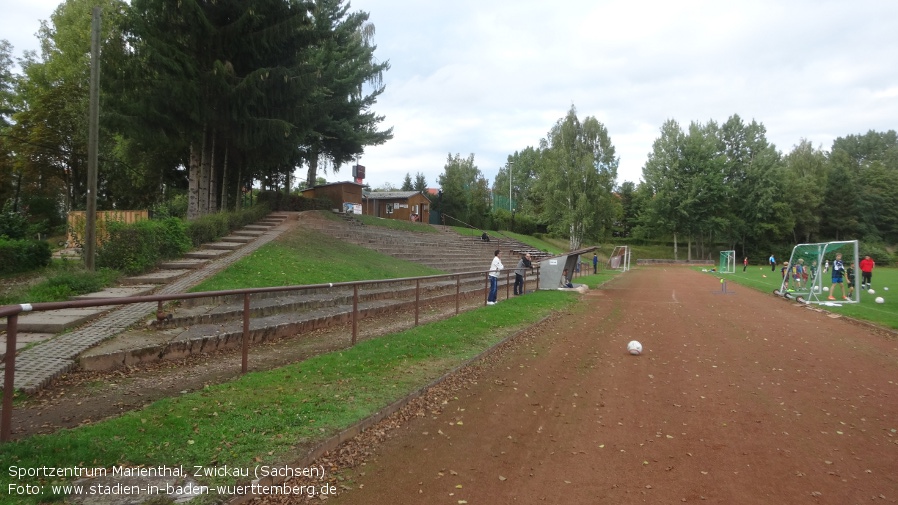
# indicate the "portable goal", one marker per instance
pixel 620 258
pixel 808 273
pixel 727 262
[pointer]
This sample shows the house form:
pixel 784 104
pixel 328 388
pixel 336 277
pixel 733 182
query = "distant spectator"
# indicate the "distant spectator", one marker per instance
pixel 745 263
pixel 772 261
pixel 595 263
pixel 485 237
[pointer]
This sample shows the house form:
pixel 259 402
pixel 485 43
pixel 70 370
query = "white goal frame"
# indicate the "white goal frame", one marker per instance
pixel 812 257
pixel 620 258
pixel 727 262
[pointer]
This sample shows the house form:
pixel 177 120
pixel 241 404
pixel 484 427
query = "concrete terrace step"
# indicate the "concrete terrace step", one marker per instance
pixel 238 238
pixel 119 292
pixel 187 264
pixel 180 342
pixel 257 227
pixel 248 233
pixel 304 302
pixel 206 254
pixel 224 246
pixel 157 277
pixel 57 321
pixel 23 339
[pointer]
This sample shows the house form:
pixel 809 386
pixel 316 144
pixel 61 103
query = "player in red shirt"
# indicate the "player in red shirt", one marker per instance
pixel 867 265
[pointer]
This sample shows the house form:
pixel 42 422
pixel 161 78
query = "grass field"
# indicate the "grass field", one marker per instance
pixel 886 314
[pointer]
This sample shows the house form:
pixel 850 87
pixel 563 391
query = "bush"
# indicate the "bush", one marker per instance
pixel 23 255
pixel 213 226
pixel 136 248
pixel 13 224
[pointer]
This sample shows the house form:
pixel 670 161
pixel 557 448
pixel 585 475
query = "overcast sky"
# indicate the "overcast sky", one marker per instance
pixel 492 77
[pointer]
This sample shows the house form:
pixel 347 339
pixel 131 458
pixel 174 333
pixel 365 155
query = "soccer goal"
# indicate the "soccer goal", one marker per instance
pixel 620 258
pixel 813 269
pixel 727 262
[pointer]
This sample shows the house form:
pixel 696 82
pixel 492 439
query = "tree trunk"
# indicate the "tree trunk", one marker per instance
pixel 676 253
pixel 204 175
pixel 224 180
pixel 689 249
pixel 313 167
pixel 193 181
pixel 213 177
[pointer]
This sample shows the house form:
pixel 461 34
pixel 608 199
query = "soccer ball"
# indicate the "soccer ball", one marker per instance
pixel 871 291
pixel 825 288
pixel 634 348
pixel 880 299
pixel 886 288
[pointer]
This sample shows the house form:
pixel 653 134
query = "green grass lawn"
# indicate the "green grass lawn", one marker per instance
pixel 394 224
pixel 886 314
pixel 308 257
pixel 263 417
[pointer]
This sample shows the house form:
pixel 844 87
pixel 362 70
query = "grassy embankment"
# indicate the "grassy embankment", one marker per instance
pixel 267 417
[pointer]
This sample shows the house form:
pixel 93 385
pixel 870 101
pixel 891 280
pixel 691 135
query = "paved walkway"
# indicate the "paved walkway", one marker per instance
pixel 38 365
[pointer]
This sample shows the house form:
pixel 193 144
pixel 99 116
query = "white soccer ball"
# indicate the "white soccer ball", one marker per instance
pixel 880 299
pixel 816 289
pixel 825 288
pixel 886 288
pixel 634 348
pixel 871 291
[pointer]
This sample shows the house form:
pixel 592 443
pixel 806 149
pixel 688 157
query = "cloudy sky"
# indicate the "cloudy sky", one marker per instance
pixel 492 77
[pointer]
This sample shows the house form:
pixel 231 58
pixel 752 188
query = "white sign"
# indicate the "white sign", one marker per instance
pixel 553 262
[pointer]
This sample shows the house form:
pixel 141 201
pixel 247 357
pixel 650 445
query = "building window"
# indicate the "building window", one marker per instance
pixel 389 208
pixel 414 209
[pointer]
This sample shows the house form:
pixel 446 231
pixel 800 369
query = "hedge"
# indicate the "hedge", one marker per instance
pixel 23 255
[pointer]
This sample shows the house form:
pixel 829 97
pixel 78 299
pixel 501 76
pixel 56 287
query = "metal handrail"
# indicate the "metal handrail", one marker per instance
pixel 11 312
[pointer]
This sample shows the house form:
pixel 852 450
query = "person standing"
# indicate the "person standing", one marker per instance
pixel 772 263
pixel 867 265
pixel 838 274
pixel 495 267
pixel 519 272
pixel 745 263
pixel 595 263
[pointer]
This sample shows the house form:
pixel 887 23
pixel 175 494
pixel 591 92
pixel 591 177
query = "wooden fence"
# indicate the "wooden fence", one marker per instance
pixel 77 221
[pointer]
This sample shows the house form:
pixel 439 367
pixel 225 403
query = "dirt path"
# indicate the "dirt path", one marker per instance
pixel 738 398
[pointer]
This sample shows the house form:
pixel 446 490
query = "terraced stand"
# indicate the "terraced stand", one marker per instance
pixel 50 341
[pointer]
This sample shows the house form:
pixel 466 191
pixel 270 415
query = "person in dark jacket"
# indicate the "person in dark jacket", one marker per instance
pixel 519 273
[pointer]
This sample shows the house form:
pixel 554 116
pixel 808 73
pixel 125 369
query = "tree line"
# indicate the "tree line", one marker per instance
pixel 197 98
pixel 703 187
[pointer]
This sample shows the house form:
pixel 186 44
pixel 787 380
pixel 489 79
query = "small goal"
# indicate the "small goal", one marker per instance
pixel 727 262
pixel 620 258
pixel 809 273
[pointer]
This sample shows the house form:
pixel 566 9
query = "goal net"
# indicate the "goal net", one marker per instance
pixel 813 272
pixel 727 262
pixel 620 258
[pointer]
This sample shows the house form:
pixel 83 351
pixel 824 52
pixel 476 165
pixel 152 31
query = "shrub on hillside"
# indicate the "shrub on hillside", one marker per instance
pixel 13 223
pixel 137 247
pixel 23 255
pixel 214 226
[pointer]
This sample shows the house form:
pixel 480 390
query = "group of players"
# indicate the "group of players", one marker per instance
pixel 796 275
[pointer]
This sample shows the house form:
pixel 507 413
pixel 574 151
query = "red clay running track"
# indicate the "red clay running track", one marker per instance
pixel 738 399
